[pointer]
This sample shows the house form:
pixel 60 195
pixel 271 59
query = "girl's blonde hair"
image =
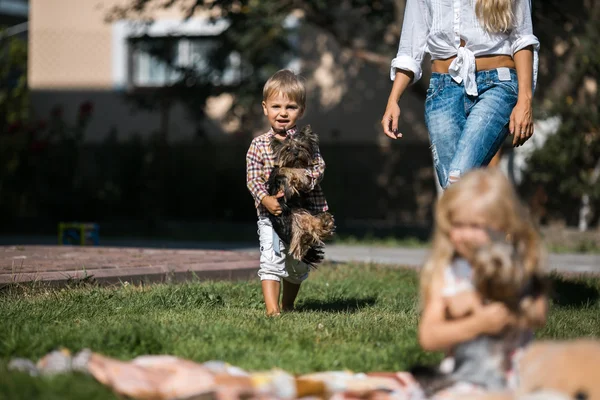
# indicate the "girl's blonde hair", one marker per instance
pixel 495 15
pixel 488 193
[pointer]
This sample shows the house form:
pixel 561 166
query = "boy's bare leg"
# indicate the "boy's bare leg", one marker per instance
pixel 270 291
pixel 290 291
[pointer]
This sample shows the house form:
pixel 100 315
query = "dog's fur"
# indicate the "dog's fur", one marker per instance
pixel 498 275
pixel 302 231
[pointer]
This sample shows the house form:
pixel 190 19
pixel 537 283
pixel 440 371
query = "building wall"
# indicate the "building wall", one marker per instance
pixel 75 56
pixel 70 45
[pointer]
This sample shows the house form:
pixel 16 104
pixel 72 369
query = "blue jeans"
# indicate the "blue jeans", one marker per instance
pixel 466 131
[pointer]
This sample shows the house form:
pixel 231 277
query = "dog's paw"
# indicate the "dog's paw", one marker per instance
pixel 327 225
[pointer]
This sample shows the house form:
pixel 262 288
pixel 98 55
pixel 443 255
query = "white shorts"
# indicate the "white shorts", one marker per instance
pixel 275 265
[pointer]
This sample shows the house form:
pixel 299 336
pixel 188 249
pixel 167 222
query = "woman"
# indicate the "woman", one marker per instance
pixel 484 70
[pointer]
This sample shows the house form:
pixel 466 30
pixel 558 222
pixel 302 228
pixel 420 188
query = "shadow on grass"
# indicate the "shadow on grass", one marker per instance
pixel 341 305
pixel 567 292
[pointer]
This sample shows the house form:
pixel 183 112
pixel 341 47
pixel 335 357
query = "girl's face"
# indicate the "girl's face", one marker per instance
pixel 469 230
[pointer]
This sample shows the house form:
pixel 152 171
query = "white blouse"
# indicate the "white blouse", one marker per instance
pixel 437 26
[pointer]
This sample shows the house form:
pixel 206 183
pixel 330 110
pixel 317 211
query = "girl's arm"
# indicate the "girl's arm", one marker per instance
pixel 462 304
pixel 437 333
pixel 540 308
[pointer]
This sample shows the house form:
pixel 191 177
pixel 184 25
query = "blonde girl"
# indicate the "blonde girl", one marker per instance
pixel 483 201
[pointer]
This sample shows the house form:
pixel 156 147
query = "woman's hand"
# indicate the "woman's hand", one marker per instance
pixel 521 122
pixel 390 120
pixel 521 118
pixel 391 117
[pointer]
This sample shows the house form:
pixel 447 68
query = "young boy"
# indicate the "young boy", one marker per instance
pixel 284 99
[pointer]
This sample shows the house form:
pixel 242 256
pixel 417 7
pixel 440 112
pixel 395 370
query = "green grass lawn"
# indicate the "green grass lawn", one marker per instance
pixel 356 317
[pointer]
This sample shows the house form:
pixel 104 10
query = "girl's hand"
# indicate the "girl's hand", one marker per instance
pixel 494 317
pixel 390 120
pixel 463 304
pixel 521 122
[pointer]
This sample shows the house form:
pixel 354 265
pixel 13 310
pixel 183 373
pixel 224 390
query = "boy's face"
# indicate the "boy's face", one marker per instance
pixel 281 112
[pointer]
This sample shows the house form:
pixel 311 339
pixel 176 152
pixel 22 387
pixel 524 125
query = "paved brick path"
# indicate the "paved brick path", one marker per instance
pixel 147 261
pixel 59 264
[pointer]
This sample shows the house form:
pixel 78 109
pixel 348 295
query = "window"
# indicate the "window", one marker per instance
pixel 15 8
pixel 163 61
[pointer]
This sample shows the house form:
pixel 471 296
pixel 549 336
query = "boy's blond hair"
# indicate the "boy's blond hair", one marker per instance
pixel 287 83
pixel 489 192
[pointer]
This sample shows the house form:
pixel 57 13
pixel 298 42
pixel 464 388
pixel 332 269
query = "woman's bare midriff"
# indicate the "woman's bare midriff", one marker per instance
pixel 482 63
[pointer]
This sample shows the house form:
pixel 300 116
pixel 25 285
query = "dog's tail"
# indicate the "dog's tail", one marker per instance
pixel 309 235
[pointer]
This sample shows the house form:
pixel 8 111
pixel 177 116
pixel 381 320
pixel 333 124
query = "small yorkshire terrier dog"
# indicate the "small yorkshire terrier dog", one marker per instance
pixel 303 231
pixel 499 275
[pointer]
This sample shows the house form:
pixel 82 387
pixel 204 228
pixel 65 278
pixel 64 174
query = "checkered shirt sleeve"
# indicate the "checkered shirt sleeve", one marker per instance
pixel 255 178
pixel 317 171
pixel 316 196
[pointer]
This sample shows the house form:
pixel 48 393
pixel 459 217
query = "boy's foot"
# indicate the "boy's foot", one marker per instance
pixel 274 314
pixel 290 292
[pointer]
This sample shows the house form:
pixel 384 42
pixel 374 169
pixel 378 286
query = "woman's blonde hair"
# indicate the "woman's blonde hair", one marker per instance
pixel 495 15
pixel 485 192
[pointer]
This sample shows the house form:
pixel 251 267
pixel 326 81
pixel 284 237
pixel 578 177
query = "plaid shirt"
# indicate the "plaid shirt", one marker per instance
pixel 260 161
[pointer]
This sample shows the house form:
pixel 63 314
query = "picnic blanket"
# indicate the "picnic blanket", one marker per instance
pixel 169 377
